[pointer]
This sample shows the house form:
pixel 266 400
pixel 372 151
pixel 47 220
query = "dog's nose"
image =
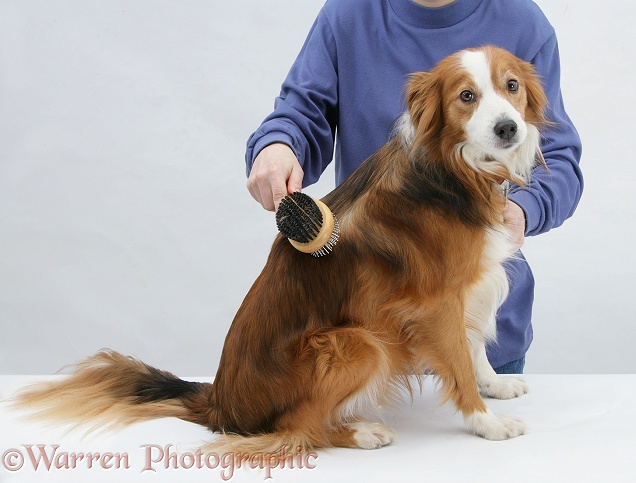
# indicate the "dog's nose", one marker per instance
pixel 506 130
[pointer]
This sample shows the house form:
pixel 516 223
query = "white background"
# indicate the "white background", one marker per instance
pixel 597 427
pixel 124 218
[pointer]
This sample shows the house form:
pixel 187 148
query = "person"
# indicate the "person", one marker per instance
pixel 346 89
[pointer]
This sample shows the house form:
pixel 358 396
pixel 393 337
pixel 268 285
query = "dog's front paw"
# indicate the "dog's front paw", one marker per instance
pixel 504 388
pixel 371 435
pixel 493 427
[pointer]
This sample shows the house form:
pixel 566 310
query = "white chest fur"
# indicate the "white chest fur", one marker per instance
pixel 490 291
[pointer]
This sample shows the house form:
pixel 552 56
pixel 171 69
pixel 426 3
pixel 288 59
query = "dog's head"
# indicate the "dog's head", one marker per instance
pixel 484 107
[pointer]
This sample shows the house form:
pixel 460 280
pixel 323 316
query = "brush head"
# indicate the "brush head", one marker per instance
pixel 307 223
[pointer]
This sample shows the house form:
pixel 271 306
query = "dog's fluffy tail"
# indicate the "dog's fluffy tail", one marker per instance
pixel 109 390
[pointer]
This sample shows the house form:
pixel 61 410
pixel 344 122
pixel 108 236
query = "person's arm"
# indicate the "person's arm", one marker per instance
pixel 304 119
pixel 552 195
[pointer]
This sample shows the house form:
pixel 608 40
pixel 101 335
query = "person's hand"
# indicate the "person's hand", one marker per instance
pixel 515 221
pixel 275 173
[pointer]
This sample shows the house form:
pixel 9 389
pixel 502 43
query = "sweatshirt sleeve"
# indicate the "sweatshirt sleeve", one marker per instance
pixel 305 112
pixel 552 195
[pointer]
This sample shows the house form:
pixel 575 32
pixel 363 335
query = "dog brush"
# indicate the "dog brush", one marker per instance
pixel 308 224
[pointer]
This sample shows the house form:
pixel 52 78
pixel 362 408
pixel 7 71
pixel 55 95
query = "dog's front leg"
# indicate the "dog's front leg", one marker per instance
pixel 451 361
pixel 490 383
pixel 481 306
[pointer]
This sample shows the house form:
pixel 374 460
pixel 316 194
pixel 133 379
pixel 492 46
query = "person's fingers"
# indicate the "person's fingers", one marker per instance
pixel 275 173
pixel 259 189
pixel 515 221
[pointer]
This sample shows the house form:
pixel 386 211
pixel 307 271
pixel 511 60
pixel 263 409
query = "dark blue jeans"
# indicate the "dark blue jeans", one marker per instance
pixel 514 367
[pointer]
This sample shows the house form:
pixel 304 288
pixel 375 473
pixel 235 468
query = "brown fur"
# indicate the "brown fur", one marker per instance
pixel 316 340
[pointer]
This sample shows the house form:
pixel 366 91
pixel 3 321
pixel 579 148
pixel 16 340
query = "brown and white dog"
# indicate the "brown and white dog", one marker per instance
pixel 412 287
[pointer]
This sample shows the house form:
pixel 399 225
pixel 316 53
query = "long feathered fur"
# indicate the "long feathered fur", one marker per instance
pixel 412 287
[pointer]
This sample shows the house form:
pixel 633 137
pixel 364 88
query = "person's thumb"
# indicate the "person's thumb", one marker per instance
pixel 295 181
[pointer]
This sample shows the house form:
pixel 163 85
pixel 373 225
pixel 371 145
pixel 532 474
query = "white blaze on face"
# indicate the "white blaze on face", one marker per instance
pixel 492 108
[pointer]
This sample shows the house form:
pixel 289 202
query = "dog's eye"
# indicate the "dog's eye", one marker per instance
pixel 467 96
pixel 513 85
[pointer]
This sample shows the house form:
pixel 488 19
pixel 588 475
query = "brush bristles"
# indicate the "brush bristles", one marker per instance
pixel 308 224
pixel 298 217
pixel 333 239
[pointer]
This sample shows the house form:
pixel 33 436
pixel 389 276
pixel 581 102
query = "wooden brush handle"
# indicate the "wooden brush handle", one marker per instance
pixel 323 235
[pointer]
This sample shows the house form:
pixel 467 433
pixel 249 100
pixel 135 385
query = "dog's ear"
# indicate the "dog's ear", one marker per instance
pixel 535 95
pixel 424 101
pixel 537 105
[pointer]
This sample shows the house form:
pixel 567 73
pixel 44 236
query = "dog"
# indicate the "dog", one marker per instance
pixel 412 287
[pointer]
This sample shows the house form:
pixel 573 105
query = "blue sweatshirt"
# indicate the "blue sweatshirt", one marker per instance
pixel 346 89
